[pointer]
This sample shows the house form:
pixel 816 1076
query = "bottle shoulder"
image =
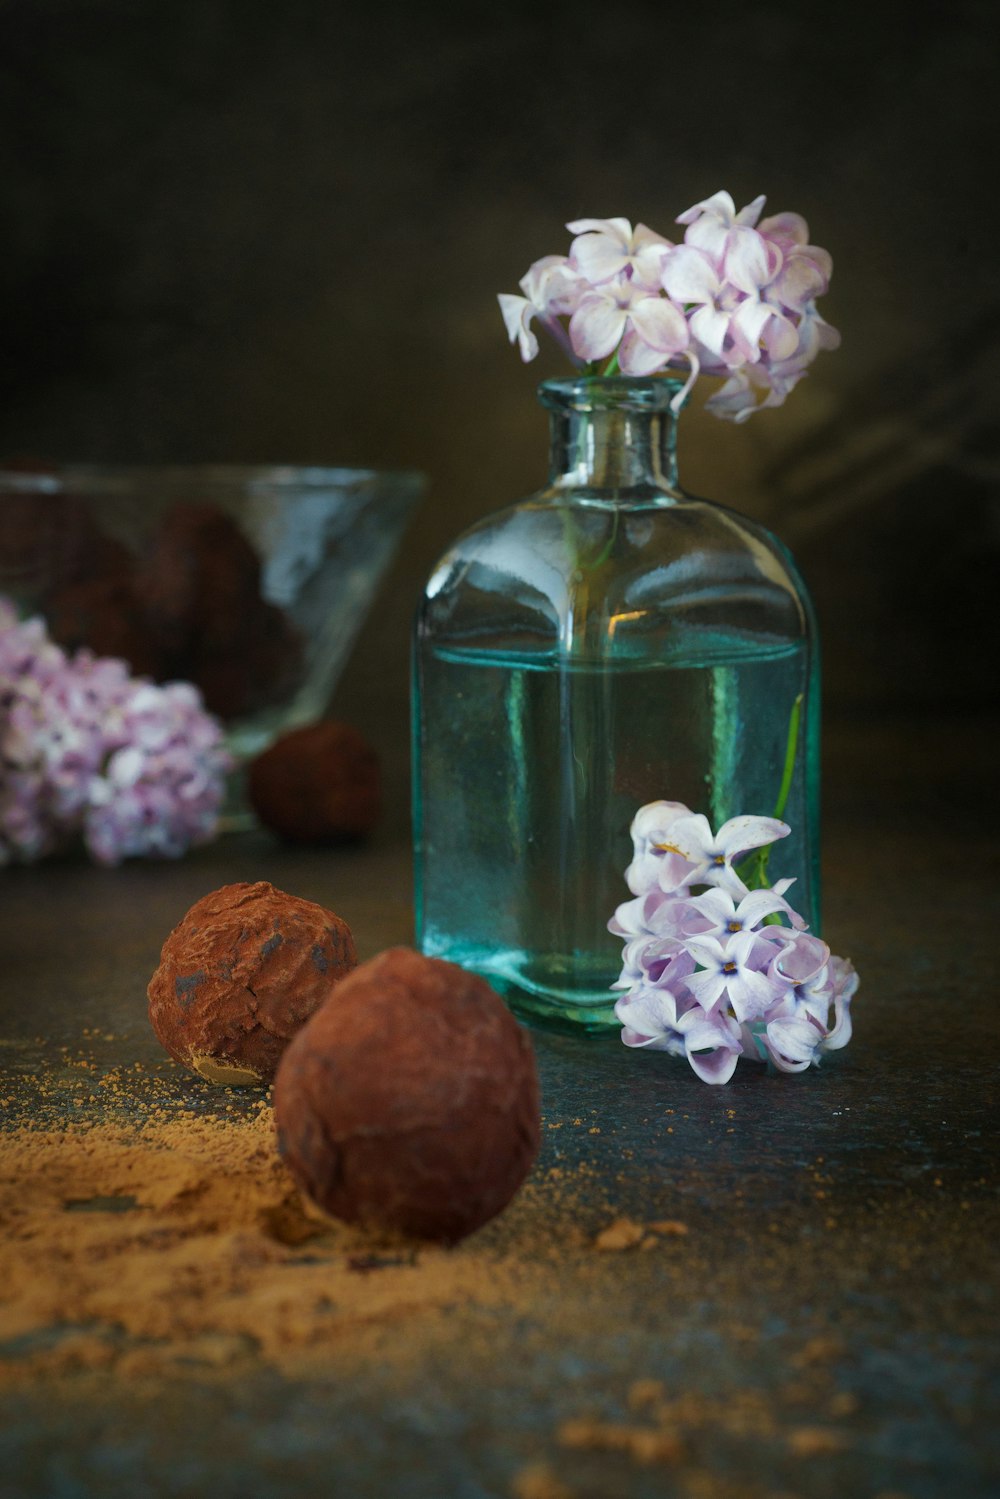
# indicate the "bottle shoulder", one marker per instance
pixel 677 541
pixel 644 576
pixel 672 519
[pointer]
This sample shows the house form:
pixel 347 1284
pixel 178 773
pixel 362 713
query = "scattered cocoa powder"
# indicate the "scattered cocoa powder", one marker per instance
pixel 643 1393
pixel 669 1228
pixel 157 1235
pixel 646 1444
pixel 149 1228
pixel 820 1350
pixel 625 1233
pixel 815 1441
pixel 621 1234
pixel 146 1250
pixel 538 1481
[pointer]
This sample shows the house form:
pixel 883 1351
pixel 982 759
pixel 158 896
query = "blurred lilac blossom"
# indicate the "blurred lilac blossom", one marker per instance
pixel 88 750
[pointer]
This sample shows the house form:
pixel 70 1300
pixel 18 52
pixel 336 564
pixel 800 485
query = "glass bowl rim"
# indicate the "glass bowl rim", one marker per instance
pixel 237 478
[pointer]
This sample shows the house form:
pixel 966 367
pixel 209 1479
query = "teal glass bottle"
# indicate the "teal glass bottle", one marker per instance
pixel 609 642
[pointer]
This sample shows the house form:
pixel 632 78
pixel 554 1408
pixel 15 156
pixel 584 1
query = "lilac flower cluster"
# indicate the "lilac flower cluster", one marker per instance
pixel 737 299
pixel 727 972
pixel 87 750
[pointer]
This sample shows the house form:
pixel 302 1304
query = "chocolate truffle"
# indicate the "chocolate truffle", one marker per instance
pixel 201 587
pixel 240 974
pixel 199 578
pixel 316 783
pixel 261 666
pixel 47 537
pixel 410 1101
pixel 103 615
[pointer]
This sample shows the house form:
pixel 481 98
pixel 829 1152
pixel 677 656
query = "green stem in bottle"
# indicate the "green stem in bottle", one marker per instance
pixel 584 564
pixel 791 749
pixel 605 551
pixel 753 871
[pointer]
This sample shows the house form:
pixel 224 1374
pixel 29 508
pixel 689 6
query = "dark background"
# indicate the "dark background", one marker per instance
pixel 257 232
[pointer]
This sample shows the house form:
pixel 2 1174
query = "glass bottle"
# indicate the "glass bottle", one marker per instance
pixel 609 642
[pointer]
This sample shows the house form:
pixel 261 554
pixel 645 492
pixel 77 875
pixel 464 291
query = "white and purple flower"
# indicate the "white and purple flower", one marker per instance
pixel 737 300
pixel 713 970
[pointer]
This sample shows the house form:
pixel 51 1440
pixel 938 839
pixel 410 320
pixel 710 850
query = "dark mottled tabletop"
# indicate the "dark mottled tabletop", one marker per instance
pixel 830 1304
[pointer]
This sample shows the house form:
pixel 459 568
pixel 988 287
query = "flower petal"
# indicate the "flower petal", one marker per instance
pixel 717 906
pixel 517 313
pixel 688 275
pixel 760 903
pixel 647 267
pixel 734 401
pixel 781 337
pixel 746 264
pixel 619 229
pixel 750 212
pixel 659 323
pixel 627 920
pixel 602 248
pixel 740 834
pixel 553 285
pixel 691 837
pixel 707 986
pixel 637 357
pixel 643 238
pixel 710 327
pixel 694 370
pixel 598 258
pixel 791 226
pixel 749 321
pixel 652 818
pixel 716 1066
pixel 749 994
pixel 792 1044
pixel 802 277
pixel 719 205
pixel 596 326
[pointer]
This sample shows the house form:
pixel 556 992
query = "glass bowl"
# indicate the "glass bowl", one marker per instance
pixel 250 582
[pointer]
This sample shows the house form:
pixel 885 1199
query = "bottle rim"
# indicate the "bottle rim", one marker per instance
pixel 585 393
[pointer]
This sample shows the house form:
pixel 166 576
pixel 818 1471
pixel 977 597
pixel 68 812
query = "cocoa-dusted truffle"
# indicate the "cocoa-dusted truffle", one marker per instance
pixel 47 537
pixel 410 1101
pixel 318 782
pixel 103 614
pixel 201 587
pixel 199 578
pixel 260 667
pixel 240 974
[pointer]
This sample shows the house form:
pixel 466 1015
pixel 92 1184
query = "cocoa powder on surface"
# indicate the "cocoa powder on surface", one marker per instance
pixel 187 1242
pixel 151 1239
pixel 149 1232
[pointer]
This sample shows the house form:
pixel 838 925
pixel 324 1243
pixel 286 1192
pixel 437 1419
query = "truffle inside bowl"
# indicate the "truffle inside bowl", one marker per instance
pixel 250 582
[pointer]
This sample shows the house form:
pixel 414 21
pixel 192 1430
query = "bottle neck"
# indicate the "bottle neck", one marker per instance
pixel 612 437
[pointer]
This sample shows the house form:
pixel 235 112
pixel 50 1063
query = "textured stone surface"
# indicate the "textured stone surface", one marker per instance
pixel 832 1307
pixel 240 974
pixel 410 1103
